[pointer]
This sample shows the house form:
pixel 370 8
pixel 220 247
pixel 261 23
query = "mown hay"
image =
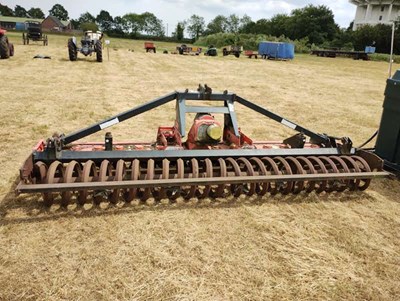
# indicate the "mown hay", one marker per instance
pixel 342 246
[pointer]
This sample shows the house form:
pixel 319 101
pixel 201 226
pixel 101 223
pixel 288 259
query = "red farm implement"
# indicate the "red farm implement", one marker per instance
pixel 213 159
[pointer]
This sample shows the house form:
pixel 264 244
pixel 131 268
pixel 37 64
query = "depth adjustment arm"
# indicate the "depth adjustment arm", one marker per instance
pixel 118 118
pixel 316 138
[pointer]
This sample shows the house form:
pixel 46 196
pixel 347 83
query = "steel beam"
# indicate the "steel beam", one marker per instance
pixel 119 118
pixel 66 155
pixel 314 136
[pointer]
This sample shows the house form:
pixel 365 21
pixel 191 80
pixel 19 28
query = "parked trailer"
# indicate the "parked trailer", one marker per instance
pixel 34 33
pixel 150 47
pixel 276 50
pixel 250 54
pixel 357 55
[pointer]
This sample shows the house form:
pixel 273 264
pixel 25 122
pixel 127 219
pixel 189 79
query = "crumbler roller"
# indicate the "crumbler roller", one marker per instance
pixel 214 159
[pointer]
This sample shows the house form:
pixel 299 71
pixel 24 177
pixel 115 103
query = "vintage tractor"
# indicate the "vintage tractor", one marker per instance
pixel 211 51
pixel 34 33
pixel 214 159
pixel 232 49
pixel 6 48
pixel 91 42
pixel 191 50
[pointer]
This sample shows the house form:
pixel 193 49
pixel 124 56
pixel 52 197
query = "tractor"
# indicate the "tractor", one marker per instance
pixel 211 51
pixel 34 33
pixel 91 42
pixel 232 49
pixel 6 48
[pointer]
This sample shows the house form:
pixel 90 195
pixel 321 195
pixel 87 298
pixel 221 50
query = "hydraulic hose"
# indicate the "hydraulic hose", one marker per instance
pixel 369 140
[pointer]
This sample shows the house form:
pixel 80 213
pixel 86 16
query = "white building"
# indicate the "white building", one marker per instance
pixel 373 12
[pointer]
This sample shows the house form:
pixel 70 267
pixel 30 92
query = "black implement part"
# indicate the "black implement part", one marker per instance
pixel 317 138
pixel 182 108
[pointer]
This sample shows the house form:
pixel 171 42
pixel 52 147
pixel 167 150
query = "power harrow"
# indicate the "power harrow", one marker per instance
pixel 216 160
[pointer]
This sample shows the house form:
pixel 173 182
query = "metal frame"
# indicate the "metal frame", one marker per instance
pixel 182 109
pixel 56 147
pixel 66 155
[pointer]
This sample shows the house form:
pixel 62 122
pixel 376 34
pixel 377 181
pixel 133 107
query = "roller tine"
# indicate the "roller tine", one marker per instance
pixel 364 167
pixel 236 190
pixel 331 168
pixel 322 169
pixel 353 167
pixel 195 174
pixel 287 186
pixel 273 168
pixel 131 193
pixel 104 172
pixel 55 168
pixel 261 188
pixel 342 166
pixel 149 176
pixel 307 163
pixel 73 168
pixel 296 167
pixel 119 176
pixel 89 174
pixel 250 172
pixel 220 192
pixel 40 172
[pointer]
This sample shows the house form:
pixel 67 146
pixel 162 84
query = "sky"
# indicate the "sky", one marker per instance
pixel 173 11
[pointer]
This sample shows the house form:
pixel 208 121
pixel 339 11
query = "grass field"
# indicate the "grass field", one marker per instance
pixel 341 246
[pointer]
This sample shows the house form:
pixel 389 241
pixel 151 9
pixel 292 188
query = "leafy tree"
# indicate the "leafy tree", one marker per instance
pixel 86 18
pixel 75 23
pixel 152 25
pixel 196 26
pixel 59 12
pixel 262 26
pixel 89 26
pixel 6 11
pixel 180 28
pixel 278 25
pixel 317 23
pixel 134 23
pixel 21 12
pixel 233 23
pixel 119 25
pixel 244 21
pixel 217 25
pixel 36 13
pixel 104 20
pixel 379 36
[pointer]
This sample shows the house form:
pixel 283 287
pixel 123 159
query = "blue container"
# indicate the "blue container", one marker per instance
pixel 20 26
pixel 369 49
pixel 276 50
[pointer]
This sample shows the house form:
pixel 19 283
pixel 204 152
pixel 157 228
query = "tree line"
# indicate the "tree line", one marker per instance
pixel 313 25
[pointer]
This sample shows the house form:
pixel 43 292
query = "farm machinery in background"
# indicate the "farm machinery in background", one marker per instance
pixel 150 47
pixel 211 51
pixel 192 50
pixel 232 50
pixel 334 52
pixel 34 33
pixel 215 160
pixel 91 42
pixel 6 48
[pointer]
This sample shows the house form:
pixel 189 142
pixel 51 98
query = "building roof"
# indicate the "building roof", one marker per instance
pixel 18 20
pixel 59 22
pixel 375 2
